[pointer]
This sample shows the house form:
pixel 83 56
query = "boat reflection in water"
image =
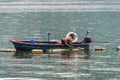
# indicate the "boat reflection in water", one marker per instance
pixel 19 54
pixel 71 54
pixel 65 54
pixel 73 63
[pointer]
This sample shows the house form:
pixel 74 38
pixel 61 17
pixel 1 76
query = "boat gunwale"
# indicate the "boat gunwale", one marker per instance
pixel 24 42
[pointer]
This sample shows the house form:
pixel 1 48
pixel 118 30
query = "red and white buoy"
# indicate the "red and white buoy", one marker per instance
pixel 118 48
pixel 7 50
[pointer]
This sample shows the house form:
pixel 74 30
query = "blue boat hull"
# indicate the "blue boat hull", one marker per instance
pixel 44 45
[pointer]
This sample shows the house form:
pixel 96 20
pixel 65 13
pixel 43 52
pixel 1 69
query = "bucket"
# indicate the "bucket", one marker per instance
pixel 32 41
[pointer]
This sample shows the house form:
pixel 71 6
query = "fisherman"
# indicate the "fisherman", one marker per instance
pixel 67 41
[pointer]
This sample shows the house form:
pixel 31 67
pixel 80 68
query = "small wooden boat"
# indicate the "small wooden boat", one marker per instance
pixel 22 45
pixel 29 45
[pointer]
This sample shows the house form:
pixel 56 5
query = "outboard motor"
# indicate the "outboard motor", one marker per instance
pixel 87 39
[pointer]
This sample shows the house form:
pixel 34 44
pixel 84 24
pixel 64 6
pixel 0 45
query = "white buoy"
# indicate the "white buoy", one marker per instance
pixel 81 49
pixel 74 34
pixel 100 49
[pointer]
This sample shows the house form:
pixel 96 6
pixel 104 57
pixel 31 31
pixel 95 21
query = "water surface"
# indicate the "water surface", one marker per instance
pixel 28 19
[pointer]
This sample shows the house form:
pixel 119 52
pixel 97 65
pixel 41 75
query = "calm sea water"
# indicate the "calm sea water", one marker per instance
pixel 28 19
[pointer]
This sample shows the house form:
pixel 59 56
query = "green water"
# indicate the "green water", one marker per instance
pixel 25 21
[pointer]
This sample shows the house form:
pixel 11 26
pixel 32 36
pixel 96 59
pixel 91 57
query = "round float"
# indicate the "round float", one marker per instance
pixel 100 49
pixel 118 48
pixel 37 51
pixel 73 35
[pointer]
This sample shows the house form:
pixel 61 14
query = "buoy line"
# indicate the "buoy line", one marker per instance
pixel 37 51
